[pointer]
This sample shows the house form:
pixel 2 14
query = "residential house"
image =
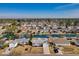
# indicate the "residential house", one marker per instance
pixel 61 42
pixel 19 41
pixel 38 41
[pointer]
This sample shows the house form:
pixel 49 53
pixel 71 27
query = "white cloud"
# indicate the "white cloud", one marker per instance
pixel 65 6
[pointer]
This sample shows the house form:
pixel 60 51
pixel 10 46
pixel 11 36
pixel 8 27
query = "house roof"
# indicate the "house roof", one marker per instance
pixel 39 40
pixel 61 41
pixel 77 41
pixel 20 40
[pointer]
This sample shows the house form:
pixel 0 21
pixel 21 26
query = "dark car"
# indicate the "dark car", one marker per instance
pixel 56 50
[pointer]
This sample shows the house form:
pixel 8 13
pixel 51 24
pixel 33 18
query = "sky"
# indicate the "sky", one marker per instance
pixel 39 10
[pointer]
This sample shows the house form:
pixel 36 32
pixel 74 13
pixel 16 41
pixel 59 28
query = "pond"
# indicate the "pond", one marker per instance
pixel 40 36
pixel 56 35
pixel 71 35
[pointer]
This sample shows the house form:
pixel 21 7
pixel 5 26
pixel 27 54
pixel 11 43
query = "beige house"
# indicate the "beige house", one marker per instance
pixel 61 42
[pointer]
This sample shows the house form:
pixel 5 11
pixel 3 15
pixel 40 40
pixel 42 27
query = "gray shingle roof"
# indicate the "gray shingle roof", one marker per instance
pixel 24 40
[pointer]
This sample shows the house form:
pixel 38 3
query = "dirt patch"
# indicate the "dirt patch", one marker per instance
pixel 68 49
pixel 37 50
pixel 21 50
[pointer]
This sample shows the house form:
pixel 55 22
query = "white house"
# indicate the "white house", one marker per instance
pixel 76 42
pixel 13 45
pixel 38 41
pixel 18 41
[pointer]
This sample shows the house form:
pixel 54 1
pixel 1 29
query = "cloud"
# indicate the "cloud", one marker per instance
pixel 66 6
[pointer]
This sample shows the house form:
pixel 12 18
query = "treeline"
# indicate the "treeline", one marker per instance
pixel 60 21
pixel 7 20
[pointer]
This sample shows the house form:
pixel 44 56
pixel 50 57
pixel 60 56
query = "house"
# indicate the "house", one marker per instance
pixel 38 41
pixel 70 27
pixel 13 45
pixel 18 41
pixel 2 30
pixel 23 40
pixel 77 30
pixel 77 42
pixel 77 27
pixel 55 26
pixel 61 42
pixel 4 39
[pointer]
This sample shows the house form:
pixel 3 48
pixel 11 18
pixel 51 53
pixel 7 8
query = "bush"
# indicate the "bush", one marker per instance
pixel 5 45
